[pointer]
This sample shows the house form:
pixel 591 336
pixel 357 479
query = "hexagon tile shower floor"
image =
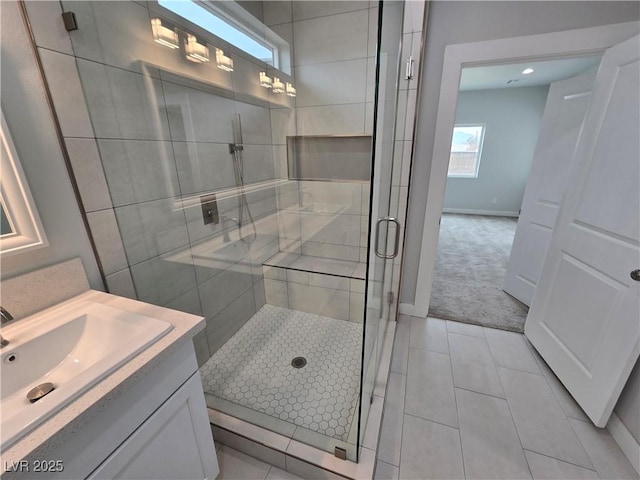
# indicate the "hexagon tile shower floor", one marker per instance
pixel 254 369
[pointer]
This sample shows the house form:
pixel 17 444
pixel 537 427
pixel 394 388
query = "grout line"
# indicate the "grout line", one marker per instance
pixel 401 439
pixel 559 459
pixel 455 399
pixel 504 390
pixel 479 393
pixel 318 16
pixel 583 447
pixel 429 420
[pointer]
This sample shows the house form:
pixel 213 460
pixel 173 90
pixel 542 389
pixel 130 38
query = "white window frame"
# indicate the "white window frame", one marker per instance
pixel 479 153
pixel 237 17
pixel 27 232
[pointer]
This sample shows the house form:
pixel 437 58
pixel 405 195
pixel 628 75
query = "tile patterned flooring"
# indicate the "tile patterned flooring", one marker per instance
pixel 466 401
pixel 253 369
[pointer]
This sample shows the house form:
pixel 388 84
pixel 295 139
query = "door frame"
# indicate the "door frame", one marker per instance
pixel 564 44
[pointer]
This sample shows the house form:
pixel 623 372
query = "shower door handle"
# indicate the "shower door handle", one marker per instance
pixel 396 246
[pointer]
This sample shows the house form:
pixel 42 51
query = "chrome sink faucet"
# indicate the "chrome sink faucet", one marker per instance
pixel 5 317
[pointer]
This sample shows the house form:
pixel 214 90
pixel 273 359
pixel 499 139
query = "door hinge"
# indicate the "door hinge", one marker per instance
pixel 390 297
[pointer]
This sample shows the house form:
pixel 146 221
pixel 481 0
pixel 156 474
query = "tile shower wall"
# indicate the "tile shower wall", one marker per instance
pixel 154 134
pixel 335 78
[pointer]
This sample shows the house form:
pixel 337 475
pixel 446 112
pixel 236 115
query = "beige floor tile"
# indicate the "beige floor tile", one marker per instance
pixel 430 387
pixel 541 423
pixel 430 450
pixel 429 334
pixel 490 444
pixel 604 452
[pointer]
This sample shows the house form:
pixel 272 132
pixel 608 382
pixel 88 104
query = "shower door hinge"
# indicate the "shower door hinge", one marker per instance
pixel 69 20
pixel 408 72
pixel 390 297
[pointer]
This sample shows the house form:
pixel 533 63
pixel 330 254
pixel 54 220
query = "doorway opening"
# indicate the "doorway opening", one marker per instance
pixel 515 128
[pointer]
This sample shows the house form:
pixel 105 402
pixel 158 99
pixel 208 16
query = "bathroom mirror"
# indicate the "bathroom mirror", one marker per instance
pixel 21 228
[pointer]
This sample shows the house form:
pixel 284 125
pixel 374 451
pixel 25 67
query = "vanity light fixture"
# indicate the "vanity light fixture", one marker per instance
pixel 291 90
pixel 278 86
pixel 527 71
pixel 265 80
pixel 224 62
pixel 196 52
pixel 164 35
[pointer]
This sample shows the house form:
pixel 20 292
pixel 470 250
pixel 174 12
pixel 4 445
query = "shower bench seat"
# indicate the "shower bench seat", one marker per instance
pixel 324 286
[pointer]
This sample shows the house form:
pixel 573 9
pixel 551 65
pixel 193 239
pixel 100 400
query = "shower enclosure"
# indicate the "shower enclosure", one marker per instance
pixel 248 151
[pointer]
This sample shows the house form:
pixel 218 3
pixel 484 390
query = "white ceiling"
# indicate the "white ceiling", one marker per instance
pixel 545 72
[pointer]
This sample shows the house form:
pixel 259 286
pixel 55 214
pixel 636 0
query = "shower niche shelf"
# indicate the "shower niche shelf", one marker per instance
pixel 329 157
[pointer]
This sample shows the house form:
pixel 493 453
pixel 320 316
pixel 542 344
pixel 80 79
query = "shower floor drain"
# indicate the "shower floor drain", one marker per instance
pixel 298 362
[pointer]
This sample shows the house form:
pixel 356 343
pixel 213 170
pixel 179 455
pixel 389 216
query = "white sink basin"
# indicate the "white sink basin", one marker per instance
pixel 73 346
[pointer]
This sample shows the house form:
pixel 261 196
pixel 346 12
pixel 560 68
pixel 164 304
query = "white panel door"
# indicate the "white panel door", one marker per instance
pixel 585 317
pixel 564 112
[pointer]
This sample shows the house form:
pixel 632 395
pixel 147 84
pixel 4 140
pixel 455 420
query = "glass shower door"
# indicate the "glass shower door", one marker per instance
pixel 384 229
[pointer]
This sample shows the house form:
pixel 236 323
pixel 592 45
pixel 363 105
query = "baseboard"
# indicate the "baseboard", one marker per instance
pixel 492 213
pixel 411 310
pixel 625 440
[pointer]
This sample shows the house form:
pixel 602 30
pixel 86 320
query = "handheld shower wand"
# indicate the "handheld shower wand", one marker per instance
pixel 236 149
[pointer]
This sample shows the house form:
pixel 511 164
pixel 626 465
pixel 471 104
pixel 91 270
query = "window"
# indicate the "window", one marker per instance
pixel 210 19
pixel 466 148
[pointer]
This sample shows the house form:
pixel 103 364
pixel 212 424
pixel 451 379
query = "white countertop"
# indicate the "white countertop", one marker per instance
pixel 67 421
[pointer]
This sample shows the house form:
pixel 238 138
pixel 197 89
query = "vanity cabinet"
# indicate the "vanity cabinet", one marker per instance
pixel 174 443
pixel 154 427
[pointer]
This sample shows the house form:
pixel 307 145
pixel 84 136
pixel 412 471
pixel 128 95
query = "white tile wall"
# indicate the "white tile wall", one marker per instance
pixel 276 292
pixel 348 39
pixel 333 83
pixel 90 177
pixel 151 228
pixel 313 9
pixel 192 113
pixel 223 325
pixel 105 234
pixel 196 170
pixel 65 86
pixel 139 170
pixel 322 301
pixel 121 283
pixel 123 104
pixel 276 12
pixel 331 119
pixel 120 37
pixel 162 279
pixel 47 25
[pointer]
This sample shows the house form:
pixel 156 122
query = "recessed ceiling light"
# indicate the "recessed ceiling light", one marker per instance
pixel 527 71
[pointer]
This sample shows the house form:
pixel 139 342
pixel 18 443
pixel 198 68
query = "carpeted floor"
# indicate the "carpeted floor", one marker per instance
pixel 473 252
